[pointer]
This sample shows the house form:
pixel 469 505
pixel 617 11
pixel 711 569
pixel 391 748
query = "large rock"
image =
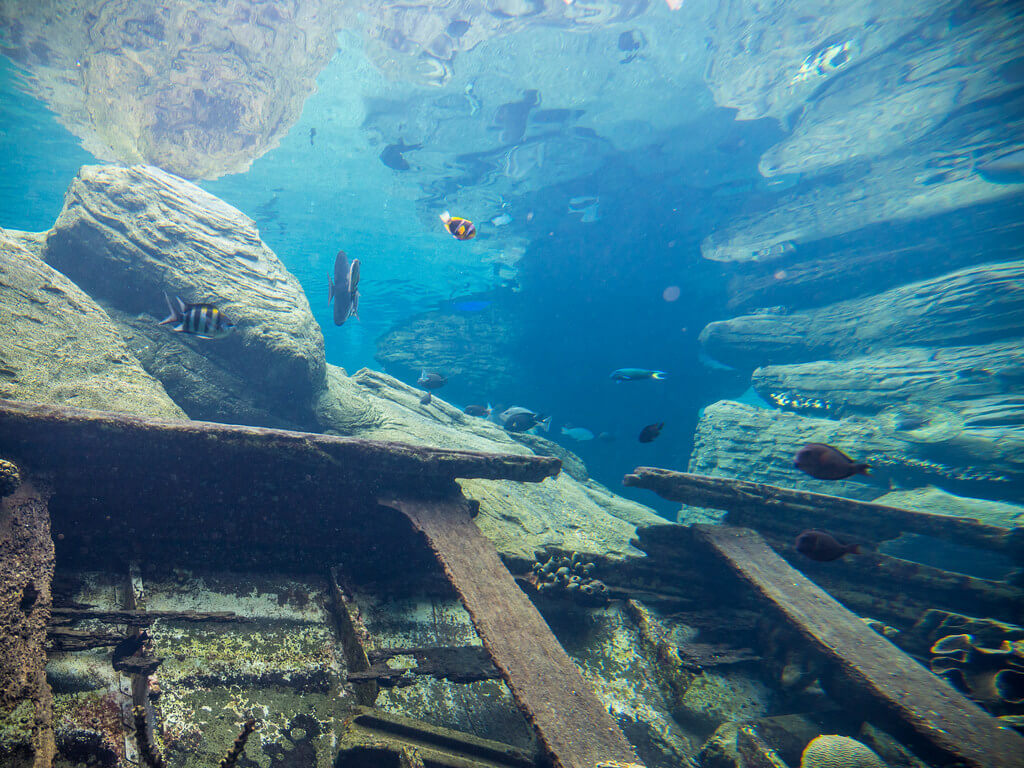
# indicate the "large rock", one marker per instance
pixel 58 346
pixel 127 235
pixel 939 502
pixel 970 306
pixel 520 518
pixel 872 383
pixel 201 89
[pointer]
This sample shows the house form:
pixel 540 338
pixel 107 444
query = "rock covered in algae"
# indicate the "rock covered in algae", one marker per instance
pixel 833 751
pixel 10 477
pixel 201 89
pixel 58 346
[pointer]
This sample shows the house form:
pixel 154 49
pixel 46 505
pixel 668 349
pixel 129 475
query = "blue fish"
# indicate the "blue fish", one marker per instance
pixel 636 374
pixel 471 306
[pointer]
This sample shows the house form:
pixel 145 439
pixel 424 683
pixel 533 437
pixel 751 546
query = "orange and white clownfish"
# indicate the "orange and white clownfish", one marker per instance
pixel 459 228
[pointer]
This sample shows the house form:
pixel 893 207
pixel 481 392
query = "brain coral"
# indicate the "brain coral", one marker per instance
pixel 839 752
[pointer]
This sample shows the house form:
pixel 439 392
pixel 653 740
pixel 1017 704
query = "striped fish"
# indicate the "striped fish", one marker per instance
pixel 202 320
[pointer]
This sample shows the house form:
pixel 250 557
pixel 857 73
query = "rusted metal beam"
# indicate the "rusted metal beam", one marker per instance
pixel 757 506
pixel 939 719
pixel 570 720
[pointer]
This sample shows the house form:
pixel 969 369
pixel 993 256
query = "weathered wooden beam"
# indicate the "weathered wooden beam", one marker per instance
pixel 940 720
pixel 49 435
pixel 459 664
pixel 756 505
pixel 65 639
pixel 570 720
pixel 26 574
pixel 139 618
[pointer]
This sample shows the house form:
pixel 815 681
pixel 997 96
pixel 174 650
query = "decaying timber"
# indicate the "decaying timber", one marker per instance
pixel 26 573
pixel 286 495
pixel 459 664
pixel 571 722
pixel 936 717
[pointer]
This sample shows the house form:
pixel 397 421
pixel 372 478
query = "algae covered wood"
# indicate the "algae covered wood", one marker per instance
pixel 570 720
pixel 759 505
pixel 48 434
pixel 954 730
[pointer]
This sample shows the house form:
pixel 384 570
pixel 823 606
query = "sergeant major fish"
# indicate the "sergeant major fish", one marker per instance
pixel 202 320
pixel 344 289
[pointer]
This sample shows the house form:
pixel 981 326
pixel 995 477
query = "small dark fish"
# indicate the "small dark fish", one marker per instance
pixel 823 547
pixel 636 374
pixel 202 320
pixel 827 463
pixel 651 431
pixel 606 437
pixel 312 136
pixel 519 419
pixel 477 410
pixel 344 289
pixel 459 228
pixel 427 397
pixel 457 28
pixel 393 155
pixel 431 380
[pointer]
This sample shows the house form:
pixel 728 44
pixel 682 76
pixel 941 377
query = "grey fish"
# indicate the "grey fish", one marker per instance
pixel 344 289
pixel 519 419
pixel 202 320
pixel 431 380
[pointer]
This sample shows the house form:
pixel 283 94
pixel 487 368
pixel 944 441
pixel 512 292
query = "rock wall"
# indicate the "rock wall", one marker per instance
pixel 58 345
pixel 201 89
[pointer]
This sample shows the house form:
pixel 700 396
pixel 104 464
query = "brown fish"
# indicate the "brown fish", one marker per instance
pixel 827 463
pixel 651 431
pixel 823 547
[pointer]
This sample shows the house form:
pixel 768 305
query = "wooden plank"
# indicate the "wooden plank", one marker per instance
pixel 570 720
pixel 50 435
pixel 757 504
pixel 951 727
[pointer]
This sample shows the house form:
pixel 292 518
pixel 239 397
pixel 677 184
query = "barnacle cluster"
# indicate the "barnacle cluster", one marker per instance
pixel 568 576
pixel 990 676
pixel 10 478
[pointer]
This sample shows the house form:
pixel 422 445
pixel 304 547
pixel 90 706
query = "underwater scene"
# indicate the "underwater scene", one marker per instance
pixel 512 384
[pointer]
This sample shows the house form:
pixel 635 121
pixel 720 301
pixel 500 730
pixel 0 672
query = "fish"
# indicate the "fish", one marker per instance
pixel 823 547
pixel 427 397
pixel 202 320
pixel 480 411
pixel 824 462
pixel 312 136
pixel 519 419
pixel 636 374
pixel 459 228
pixel 577 433
pixel 344 289
pixel 651 431
pixel 501 220
pixel 393 155
pixel 431 380
pixel 606 437
pixel 471 305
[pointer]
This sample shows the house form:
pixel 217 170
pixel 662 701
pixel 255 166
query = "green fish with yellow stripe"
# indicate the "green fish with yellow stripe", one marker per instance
pixel 202 320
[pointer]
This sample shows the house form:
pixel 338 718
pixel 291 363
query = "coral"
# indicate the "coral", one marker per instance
pixel 571 577
pixel 832 751
pixel 992 676
pixel 10 478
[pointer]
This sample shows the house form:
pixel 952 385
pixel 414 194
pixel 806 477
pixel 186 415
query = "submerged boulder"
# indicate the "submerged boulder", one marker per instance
pixel 58 346
pixel 519 518
pixel 128 235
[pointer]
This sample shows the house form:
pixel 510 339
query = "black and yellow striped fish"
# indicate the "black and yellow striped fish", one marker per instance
pixel 202 320
pixel 459 228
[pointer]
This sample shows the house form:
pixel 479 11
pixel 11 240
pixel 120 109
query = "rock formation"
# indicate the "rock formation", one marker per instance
pixel 128 235
pixel 971 306
pixel 199 89
pixel 59 346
